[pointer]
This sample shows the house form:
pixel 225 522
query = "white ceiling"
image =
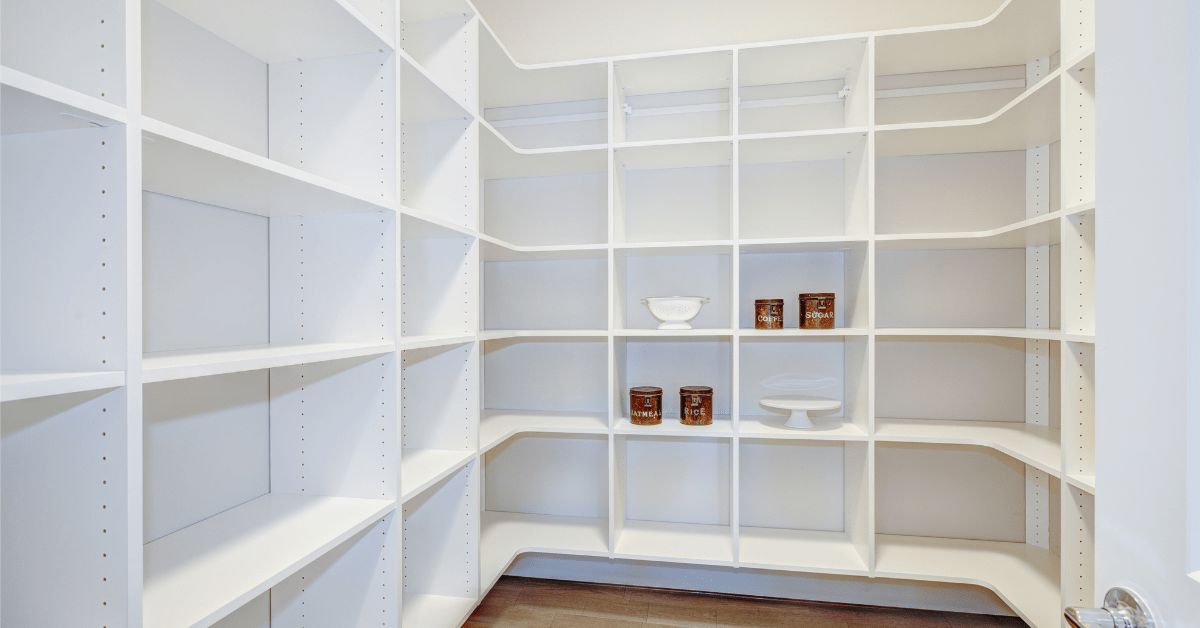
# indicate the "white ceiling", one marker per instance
pixel 543 31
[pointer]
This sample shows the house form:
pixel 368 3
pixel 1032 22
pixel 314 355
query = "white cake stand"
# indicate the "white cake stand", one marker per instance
pixel 800 405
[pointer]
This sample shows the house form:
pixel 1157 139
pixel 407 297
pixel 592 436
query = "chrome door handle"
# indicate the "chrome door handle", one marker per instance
pixel 1122 609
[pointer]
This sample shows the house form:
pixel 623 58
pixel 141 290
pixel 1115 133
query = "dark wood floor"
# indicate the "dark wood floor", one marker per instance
pixel 531 603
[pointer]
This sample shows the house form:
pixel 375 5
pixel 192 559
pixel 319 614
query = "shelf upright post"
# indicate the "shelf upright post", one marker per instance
pixel 133 311
pixel 870 558
pixel 735 173
pixel 614 395
pixel 396 549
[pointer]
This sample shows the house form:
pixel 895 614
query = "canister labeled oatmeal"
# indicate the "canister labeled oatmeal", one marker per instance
pixel 695 405
pixel 645 405
pixel 816 310
pixel 768 314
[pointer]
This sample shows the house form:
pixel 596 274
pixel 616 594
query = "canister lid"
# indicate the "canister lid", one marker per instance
pixel 645 391
pixel 817 295
pixel 695 390
pixel 768 301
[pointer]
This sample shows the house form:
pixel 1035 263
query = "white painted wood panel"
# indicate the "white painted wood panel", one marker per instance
pixel 549 475
pixel 811 498
pixel 78 44
pixel 546 374
pixel 970 379
pixel 950 288
pixel 677 480
pixel 561 294
pixel 934 193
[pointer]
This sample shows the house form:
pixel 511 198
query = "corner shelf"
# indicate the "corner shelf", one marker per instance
pixel 190 166
pixel 1025 577
pixel 995 332
pixel 198 575
pixel 506 535
pixel 170 365
pixel 1035 445
pixel 16 385
pixel 497 426
pixel 1040 231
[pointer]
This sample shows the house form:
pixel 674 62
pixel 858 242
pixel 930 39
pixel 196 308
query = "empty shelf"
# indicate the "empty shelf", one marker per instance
pixel 500 334
pixel 800 550
pixel 422 468
pixel 1035 445
pixel 186 165
pixel 1082 482
pixel 437 611
pixel 197 575
pixel 495 250
pixel 496 426
pixel 827 428
pixel 1024 576
pixel 1040 231
pixel 32 105
pixel 505 535
pixel 676 542
pixel 423 342
pixel 1030 120
pixel 721 427
pixel 998 332
pixel 168 365
pixel 275 31
pixel 16 385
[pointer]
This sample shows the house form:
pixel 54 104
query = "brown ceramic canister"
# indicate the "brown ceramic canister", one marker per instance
pixel 768 314
pixel 816 310
pixel 695 405
pixel 645 405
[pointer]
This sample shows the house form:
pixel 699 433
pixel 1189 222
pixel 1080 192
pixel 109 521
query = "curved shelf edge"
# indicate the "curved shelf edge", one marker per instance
pixel 899 241
pixel 513 422
pixel 911 432
pixel 969 122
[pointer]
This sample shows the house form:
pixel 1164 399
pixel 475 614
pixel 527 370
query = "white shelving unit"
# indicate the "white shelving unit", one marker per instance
pixel 336 300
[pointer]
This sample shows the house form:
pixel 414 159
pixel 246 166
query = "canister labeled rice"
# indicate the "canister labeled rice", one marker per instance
pixel 816 310
pixel 695 405
pixel 768 314
pixel 645 405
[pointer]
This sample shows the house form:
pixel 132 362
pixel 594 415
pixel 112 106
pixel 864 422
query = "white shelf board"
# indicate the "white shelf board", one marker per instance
pixel 1083 482
pixel 1082 208
pixel 801 333
pixel 771 148
pixel 413 11
pixel 186 165
pixel 418 225
pixel 506 535
pixel 826 428
pixel 802 245
pixel 1024 576
pixel 672 333
pixel 1039 231
pixel 437 611
pixel 422 468
pixel 722 427
pixel 1035 445
pixel 689 153
pixel 16 385
pixel 998 332
pixel 799 550
pixel 500 159
pixel 425 100
pixel 1030 120
pixel 32 105
pixel 496 250
pixel 497 426
pixel 684 247
pixel 201 573
pixel 676 542
pixel 1018 32
pixel 169 365
pixel 275 31
pixel 1085 59
pixel 424 342
pixel 500 334
pixel 1087 338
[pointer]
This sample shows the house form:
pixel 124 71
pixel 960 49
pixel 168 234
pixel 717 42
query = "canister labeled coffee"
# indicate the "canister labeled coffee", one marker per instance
pixel 768 314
